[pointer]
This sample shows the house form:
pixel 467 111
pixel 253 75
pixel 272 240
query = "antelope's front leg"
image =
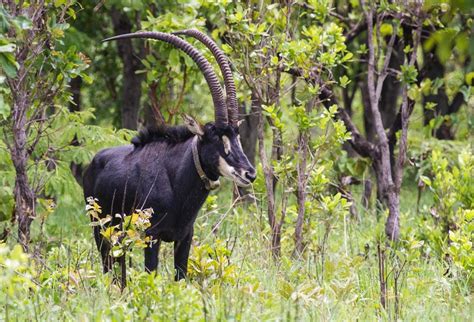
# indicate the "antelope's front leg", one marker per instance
pixel 181 255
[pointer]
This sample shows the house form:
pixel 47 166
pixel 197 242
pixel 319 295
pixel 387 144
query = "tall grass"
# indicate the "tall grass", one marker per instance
pixel 232 275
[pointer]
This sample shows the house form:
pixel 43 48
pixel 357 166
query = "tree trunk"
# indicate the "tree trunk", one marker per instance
pixel 302 150
pixel 435 69
pixel 75 87
pixel 152 111
pixel 25 200
pixel 367 194
pixel 389 101
pixel 369 126
pixel 269 185
pixel 301 191
pixel 392 225
pixel 382 276
pixel 382 156
pixel 248 129
pixel 388 195
pixel 131 87
pixel 248 138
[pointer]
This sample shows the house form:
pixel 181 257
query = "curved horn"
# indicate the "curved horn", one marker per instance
pixel 206 68
pixel 223 61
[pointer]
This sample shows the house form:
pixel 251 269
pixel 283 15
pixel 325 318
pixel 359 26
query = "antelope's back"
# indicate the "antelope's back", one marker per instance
pixel 109 176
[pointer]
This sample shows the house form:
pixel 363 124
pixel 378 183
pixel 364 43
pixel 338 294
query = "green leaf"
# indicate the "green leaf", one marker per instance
pixel 386 29
pixel 414 92
pixel 274 60
pixel 470 78
pixel 430 106
pixel 226 48
pixel 4 108
pixel 8 64
pixel 409 74
pixel 116 251
pixel 86 78
pixel 466 92
pixel 8 48
pixel 347 57
pixel 59 3
pixel 22 23
pixel 344 81
pixel 426 180
pixel 174 58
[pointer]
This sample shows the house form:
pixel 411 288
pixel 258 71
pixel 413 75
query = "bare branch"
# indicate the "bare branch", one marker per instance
pixel 383 73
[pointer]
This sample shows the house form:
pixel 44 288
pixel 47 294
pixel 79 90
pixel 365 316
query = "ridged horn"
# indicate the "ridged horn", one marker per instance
pixel 205 67
pixel 223 62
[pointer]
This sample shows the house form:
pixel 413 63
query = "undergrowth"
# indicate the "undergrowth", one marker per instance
pixel 232 275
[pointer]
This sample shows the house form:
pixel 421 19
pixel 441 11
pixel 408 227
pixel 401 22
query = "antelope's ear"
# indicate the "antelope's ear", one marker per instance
pixel 239 123
pixel 193 125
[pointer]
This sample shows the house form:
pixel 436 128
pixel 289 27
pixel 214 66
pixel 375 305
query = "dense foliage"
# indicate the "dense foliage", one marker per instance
pixel 357 115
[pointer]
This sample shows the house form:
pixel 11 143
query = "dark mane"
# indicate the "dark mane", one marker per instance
pixel 169 134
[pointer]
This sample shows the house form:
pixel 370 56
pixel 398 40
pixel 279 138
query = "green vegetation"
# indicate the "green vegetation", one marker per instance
pixel 233 277
pixel 357 115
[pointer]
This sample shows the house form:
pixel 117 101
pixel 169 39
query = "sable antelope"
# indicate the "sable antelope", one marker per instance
pixel 172 169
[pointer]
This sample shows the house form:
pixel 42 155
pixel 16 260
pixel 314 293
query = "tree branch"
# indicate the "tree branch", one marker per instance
pixel 327 97
pixel 384 72
pixel 358 141
pixel 371 72
pixel 405 115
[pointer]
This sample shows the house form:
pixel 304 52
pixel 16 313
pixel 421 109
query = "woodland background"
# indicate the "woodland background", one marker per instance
pixel 357 114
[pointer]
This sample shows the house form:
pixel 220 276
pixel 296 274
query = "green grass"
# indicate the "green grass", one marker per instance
pixel 234 277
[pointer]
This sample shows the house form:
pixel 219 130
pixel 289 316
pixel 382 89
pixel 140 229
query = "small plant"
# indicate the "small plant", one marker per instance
pixel 461 248
pixel 453 193
pixel 122 232
pixel 16 277
pixel 211 264
pixel 129 233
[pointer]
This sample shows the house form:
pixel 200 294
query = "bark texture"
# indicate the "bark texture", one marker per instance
pixel 25 199
pixel 248 129
pixel 131 59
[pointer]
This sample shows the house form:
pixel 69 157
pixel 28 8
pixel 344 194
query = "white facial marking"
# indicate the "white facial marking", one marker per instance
pixel 226 142
pixel 225 169
pixel 238 141
pixel 229 172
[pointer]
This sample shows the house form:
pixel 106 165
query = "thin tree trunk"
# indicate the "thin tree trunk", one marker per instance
pixel 382 277
pixel 269 182
pixel 367 194
pixel 301 191
pixel 25 200
pixel 248 130
pixel 384 166
pixel 75 87
pixel 131 87
pixel 389 101
pixel 302 150
pixel 248 137
pixel 369 126
pixel 123 272
pixel 153 115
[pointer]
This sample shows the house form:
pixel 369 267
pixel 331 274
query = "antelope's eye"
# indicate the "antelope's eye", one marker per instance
pixel 226 142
